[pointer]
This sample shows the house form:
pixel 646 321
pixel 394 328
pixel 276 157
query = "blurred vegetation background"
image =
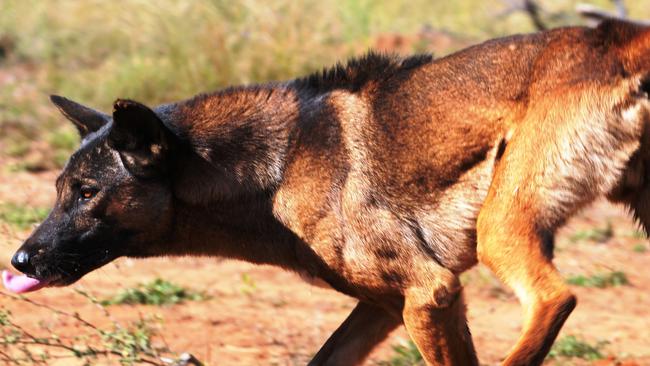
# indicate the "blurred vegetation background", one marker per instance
pixel 157 51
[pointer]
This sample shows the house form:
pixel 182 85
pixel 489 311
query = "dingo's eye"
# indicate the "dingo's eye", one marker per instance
pixel 86 193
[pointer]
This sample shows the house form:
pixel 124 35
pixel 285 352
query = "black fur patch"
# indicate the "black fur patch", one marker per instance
pixel 386 252
pixel 645 85
pixel 357 72
pixel 392 277
pixel 501 149
pixel 422 241
pixel 548 243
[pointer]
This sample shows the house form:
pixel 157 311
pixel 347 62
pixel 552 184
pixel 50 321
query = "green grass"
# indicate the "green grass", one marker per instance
pixel 404 355
pixel 249 287
pixel 566 348
pixel 63 142
pixel 158 292
pixel 596 234
pixel 573 347
pixel 640 248
pixel 18 148
pixel 21 216
pixel 601 280
pixel 130 342
pixel 174 49
pixel 637 234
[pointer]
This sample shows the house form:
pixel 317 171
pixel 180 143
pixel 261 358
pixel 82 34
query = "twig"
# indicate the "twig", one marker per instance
pixel 99 305
pixel 597 15
pixel 74 316
pixel 621 10
pixel 103 352
pixel 185 359
pixel 28 334
pixel 54 310
pixel 189 359
pixel 530 7
pixel 513 6
pixel 6 357
pixel 533 10
pixel 594 13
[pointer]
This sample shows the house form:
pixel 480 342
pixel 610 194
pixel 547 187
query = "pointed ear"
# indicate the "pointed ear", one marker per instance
pixel 140 137
pixel 86 120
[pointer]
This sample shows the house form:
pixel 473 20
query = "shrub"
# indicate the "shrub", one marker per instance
pixel 158 292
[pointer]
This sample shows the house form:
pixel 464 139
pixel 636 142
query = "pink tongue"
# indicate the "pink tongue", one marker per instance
pixel 20 283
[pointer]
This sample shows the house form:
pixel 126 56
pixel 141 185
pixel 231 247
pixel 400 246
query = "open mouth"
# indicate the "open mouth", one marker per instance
pixel 22 283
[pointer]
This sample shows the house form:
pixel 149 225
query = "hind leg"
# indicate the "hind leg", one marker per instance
pixel 521 261
pixel 364 328
pixel 515 240
pixel 555 163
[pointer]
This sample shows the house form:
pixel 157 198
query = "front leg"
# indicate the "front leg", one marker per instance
pixel 351 343
pixel 434 315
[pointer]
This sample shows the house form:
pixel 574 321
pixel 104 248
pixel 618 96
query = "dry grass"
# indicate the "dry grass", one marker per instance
pixel 97 51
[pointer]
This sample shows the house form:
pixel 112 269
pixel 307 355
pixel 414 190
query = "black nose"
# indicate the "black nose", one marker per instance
pixel 21 261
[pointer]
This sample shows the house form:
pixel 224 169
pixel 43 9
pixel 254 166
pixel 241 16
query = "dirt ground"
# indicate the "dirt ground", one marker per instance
pixel 260 315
